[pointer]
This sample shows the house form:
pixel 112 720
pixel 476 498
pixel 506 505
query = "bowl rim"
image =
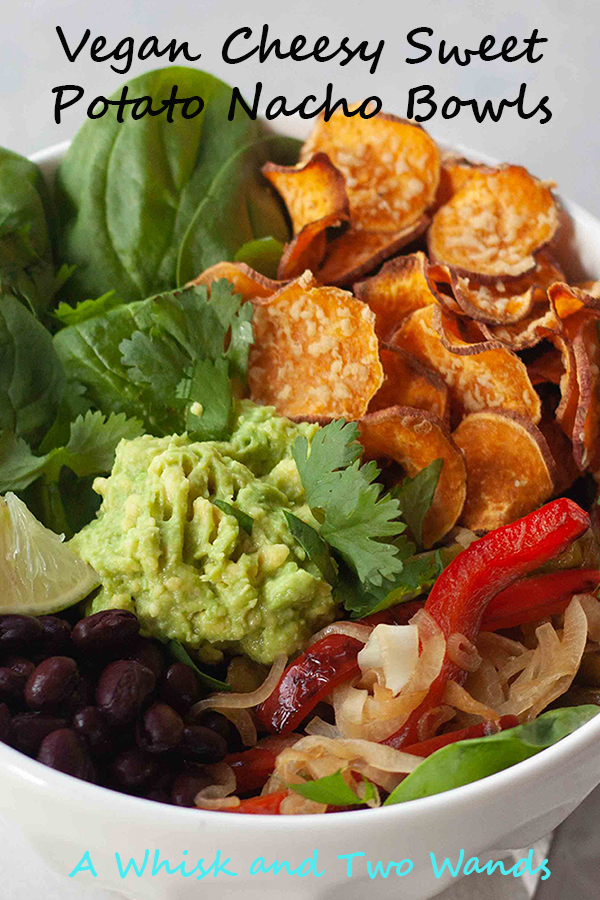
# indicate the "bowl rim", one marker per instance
pixel 506 781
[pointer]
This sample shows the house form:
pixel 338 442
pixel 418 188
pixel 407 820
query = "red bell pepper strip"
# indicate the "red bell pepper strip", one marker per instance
pixel 269 805
pixel 309 679
pixel 535 598
pixel 462 593
pixel 426 748
pixel 252 768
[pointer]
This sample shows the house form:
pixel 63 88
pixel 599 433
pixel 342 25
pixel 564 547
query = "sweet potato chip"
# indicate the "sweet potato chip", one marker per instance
pixel 569 389
pixel 400 287
pixel 478 375
pixel 306 250
pixel 315 352
pixel 586 428
pixel 548 368
pixel 246 281
pixel 510 470
pixel 391 167
pixel 540 324
pixel 407 382
pixel 356 253
pixel 565 470
pixel 456 171
pixel 570 300
pixel 414 438
pixel 495 224
pixel 311 191
pixel 505 302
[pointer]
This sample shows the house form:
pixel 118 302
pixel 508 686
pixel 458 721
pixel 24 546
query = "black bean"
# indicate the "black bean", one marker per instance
pixel 12 685
pixel 204 744
pixel 180 688
pixel 28 730
pixel 56 636
pixel 4 723
pixel 134 769
pixel 52 682
pixel 150 655
pixel 20 664
pixel 65 751
pixel 160 791
pixel 92 725
pixel 161 729
pixel 186 786
pixel 122 689
pixel 106 631
pixel 83 695
pixel 222 726
pixel 19 633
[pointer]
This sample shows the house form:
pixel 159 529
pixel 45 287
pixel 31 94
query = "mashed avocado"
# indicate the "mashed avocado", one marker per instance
pixel 187 569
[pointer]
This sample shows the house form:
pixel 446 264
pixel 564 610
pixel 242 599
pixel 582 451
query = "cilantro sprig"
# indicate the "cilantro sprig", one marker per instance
pixel 334 791
pixel 363 524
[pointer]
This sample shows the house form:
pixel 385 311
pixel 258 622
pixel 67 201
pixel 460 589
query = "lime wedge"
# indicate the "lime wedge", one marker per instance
pixel 38 573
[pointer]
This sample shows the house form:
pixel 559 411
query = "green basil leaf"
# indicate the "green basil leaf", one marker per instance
pixel 240 206
pixel 178 652
pixel 467 761
pixel 32 379
pixel 333 790
pixel 263 255
pixel 127 191
pixel 416 496
pixel 314 546
pixel 245 521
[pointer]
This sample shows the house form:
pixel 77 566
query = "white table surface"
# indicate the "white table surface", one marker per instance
pixel 566 150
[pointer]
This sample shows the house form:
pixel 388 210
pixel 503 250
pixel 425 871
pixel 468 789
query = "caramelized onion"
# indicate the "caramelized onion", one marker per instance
pixel 463 653
pixel 223 701
pixel 459 698
pixel 351 629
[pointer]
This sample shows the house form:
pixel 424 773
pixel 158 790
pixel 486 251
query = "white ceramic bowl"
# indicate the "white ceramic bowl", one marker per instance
pixel 63 818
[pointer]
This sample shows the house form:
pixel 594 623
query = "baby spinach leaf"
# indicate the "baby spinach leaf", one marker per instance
pixel 32 379
pixel 263 255
pixel 240 206
pixel 128 191
pixel 26 259
pixel 245 521
pixel 467 761
pixel 416 496
pixel 178 651
pixel 333 790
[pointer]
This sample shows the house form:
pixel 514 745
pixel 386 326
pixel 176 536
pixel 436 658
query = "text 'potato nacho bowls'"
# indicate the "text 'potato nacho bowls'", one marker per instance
pixel 323 445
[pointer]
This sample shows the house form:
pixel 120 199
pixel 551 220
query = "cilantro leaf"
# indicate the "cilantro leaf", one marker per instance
pixel 415 496
pixel 333 790
pixel 357 517
pixel 208 394
pixel 245 521
pixel 178 651
pixel 19 467
pixel 418 575
pixel 86 309
pixel 333 448
pixel 348 503
pixel 156 358
pixel 89 451
pixel 313 545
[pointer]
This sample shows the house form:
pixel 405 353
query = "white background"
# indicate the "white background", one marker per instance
pixel 566 149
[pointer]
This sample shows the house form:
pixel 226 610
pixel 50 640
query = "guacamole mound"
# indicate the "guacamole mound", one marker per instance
pixel 189 570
